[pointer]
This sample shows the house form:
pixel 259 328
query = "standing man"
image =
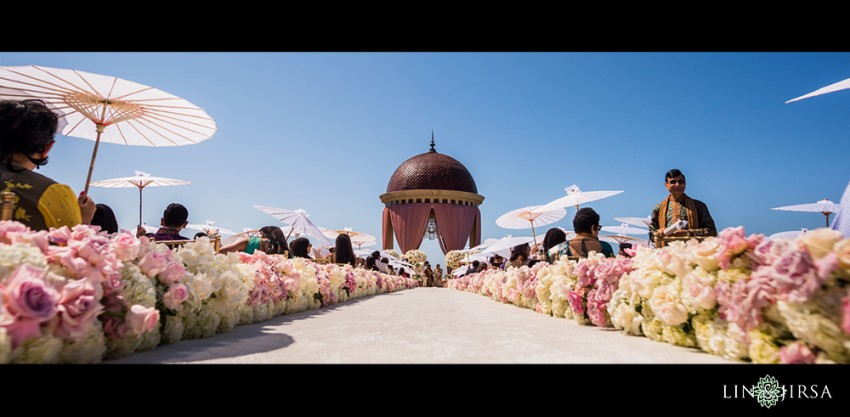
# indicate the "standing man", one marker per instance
pixel 679 205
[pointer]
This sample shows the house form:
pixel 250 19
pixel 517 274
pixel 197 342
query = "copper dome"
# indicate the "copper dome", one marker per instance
pixel 432 171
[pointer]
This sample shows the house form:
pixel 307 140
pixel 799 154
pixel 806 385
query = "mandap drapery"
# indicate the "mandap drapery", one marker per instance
pixel 456 224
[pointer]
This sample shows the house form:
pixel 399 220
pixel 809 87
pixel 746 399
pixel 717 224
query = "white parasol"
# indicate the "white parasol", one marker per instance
pixel 824 207
pixel 140 181
pixel 91 103
pixel 575 197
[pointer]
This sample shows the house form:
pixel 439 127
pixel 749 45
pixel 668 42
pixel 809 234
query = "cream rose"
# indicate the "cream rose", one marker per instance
pixel 819 242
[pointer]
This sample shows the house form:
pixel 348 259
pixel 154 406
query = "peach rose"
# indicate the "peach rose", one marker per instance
pixel 819 242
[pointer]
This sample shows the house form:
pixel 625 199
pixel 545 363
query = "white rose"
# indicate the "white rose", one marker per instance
pixel 667 306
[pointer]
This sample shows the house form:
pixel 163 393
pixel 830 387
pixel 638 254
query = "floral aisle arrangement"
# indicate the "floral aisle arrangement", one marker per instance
pixel 415 256
pixel 77 295
pixel 63 297
pixel 453 258
pixel 737 296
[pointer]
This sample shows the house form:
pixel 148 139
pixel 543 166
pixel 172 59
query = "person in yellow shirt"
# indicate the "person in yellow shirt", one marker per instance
pixel 26 137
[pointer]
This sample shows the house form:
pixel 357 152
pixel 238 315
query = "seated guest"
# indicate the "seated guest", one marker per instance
pixel 586 226
pixel 343 251
pixel 623 247
pixel 105 218
pixel 300 248
pixel 519 255
pixel 370 264
pixel 270 239
pixel 26 137
pixel 554 237
pixel 472 269
pixel 174 219
pixel 384 265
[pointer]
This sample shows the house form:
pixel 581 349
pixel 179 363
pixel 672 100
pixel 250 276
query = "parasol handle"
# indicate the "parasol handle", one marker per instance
pixel 533 234
pixel 99 128
pixel 140 206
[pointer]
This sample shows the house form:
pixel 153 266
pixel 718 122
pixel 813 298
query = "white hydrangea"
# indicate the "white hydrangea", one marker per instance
pixel 138 288
pixel 5 346
pixel 763 348
pixel 44 349
pixel 119 348
pixel 807 323
pixel 712 337
pixel 676 335
pixel 199 324
pixel 173 330
pixel 89 350
pixel 17 254
pixel 625 317
pixel 149 340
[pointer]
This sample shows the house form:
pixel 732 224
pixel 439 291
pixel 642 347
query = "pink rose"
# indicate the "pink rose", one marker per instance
pixel 796 352
pixel 125 246
pixel 5 316
pixel 110 268
pixel 141 319
pixel 145 244
pixel 172 273
pixel 576 302
pixel 175 296
pixel 22 329
pixel 733 242
pixel 9 227
pixel 28 296
pixel 795 277
pixel 845 314
pixel 597 312
pixel 152 264
pixel 770 251
pixel 60 236
pixel 92 249
pixel 67 257
pixel 78 309
pixel 38 239
pixel 585 273
pixel 605 270
pixel 604 290
pixel 825 266
pixel 115 327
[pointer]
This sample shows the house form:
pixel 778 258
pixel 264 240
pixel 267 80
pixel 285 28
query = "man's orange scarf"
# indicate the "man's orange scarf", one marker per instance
pixel 693 222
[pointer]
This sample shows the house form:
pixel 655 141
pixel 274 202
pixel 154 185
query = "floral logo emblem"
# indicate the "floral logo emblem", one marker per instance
pixel 767 391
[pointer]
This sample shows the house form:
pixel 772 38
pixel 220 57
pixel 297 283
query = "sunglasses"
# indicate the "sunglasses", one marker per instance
pixel 674 182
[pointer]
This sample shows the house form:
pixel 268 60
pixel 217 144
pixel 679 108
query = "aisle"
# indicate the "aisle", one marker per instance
pixel 422 325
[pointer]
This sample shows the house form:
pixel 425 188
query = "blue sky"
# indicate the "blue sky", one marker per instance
pixel 325 131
